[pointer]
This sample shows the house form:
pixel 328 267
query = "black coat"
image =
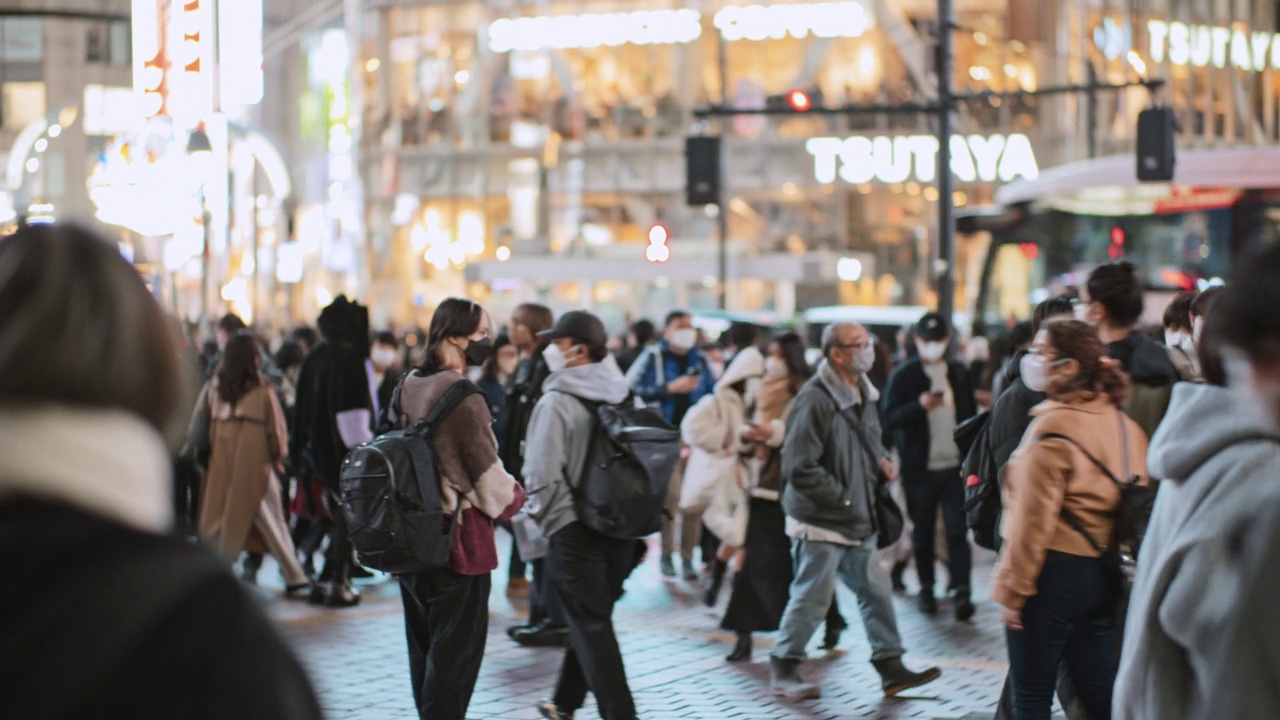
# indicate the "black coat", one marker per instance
pixel 523 394
pixel 907 420
pixel 102 621
pixel 333 380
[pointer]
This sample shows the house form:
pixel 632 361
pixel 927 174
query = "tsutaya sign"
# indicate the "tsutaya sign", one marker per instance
pixel 1202 46
pixel 667 27
pixel 915 157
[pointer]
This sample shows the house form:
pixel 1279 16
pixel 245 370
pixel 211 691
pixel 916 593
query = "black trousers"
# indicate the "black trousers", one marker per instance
pixel 1070 620
pixel 446 620
pixel 340 556
pixel 925 494
pixel 544 605
pixel 587 570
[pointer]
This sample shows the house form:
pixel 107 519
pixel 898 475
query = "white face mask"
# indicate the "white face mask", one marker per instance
pixel 863 361
pixel 1260 399
pixel 1081 311
pixel 383 357
pixel 507 366
pixel 716 368
pixel 1174 338
pixel 1035 372
pixel 684 340
pixel 932 352
pixel 554 358
pixel 775 367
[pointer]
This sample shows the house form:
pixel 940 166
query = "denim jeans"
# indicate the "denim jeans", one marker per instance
pixel 1071 619
pixel 817 565
pixel 925 494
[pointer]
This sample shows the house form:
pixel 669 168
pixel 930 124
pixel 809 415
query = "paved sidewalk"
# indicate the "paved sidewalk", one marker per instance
pixel 674 656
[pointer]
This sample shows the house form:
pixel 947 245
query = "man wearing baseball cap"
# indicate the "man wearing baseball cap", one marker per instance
pixel 586 569
pixel 926 398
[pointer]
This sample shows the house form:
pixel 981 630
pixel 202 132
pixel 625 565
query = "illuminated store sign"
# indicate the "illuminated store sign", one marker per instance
pixel 673 27
pixel 915 157
pixel 1221 47
pixel 824 20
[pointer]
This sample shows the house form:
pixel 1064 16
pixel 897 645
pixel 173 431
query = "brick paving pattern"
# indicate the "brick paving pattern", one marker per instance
pixel 673 650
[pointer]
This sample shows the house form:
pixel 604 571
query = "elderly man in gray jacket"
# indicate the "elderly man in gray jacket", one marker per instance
pixel 831 460
pixel 586 569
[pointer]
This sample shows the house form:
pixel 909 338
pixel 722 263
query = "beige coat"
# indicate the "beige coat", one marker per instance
pixel 247 441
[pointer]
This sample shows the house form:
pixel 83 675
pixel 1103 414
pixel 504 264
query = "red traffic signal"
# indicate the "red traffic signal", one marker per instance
pixel 799 100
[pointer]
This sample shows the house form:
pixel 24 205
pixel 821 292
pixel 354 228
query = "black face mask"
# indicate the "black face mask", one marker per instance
pixel 478 351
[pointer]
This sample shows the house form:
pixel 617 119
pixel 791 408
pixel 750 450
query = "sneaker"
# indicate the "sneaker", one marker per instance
pixel 928 603
pixel 690 572
pixel 548 710
pixel 785 680
pixel 895 678
pixel 668 566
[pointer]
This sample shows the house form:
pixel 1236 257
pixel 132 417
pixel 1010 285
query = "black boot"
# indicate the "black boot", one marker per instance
pixel 544 634
pixel 785 680
pixel 742 650
pixel 895 575
pixel 964 605
pixel 928 603
pixel 831 636
pixel 713 587
pixel 895 678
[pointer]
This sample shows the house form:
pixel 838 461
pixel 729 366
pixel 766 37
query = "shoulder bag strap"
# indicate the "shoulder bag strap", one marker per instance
pixel 1069 516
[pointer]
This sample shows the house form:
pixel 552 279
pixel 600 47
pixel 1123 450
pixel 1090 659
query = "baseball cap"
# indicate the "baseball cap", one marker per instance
pixel 579 325
pixel 932 328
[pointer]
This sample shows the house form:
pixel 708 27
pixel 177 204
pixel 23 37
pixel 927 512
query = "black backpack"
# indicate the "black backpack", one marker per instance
pixel 631 456
pixel 982 502
pixel 391 494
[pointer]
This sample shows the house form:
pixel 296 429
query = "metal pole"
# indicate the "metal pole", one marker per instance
pixel 946 256
pixel 205 218
pixel 723 199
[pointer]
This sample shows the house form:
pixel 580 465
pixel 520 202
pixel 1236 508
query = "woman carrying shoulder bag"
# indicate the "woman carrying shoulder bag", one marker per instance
pixel 242 507
pixel 446 611
pixel 1060 598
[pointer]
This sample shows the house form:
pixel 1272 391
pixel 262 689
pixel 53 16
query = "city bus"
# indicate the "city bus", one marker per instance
pixel 1046 234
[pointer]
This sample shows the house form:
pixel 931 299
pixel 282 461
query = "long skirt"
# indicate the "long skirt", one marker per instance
pixel 761 587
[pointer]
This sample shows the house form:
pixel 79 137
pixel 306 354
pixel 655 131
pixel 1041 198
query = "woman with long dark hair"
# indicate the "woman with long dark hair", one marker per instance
pixel 762 583
pixel 242 508
pixel 446 611
pixel 1061 502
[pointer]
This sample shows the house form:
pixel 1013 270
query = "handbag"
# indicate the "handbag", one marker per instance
pixel 531 542
pixel 726 517
pixel 885 513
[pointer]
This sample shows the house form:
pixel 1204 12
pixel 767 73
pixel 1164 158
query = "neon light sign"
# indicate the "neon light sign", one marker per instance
pixel 1204 45
pixel 974 158
pixel 673 27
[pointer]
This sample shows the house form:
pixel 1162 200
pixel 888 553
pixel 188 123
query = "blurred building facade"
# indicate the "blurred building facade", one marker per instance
pixel 522 151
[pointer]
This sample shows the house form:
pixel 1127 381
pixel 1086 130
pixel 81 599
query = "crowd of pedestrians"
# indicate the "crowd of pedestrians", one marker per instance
pixel 785 474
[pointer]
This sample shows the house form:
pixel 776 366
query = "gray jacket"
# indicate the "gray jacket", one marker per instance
pixel 1219 470
pixel 559 433
pixel 828 477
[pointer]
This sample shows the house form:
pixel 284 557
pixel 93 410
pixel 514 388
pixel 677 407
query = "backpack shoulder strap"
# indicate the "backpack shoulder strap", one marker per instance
pixel 452 397
pixel 1066 514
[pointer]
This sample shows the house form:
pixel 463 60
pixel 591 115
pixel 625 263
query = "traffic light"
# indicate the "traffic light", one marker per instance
pixel 657 252
pixel 799 100
pixel 702 170
pixel 1156 157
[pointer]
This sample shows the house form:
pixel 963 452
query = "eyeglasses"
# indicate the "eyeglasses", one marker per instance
pixel 854 346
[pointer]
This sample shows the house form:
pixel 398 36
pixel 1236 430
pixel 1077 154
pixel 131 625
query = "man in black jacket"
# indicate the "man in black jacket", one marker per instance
pixel 546 626
pixel 927 397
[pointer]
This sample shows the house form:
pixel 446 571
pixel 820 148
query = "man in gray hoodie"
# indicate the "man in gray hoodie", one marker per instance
pixel 586 569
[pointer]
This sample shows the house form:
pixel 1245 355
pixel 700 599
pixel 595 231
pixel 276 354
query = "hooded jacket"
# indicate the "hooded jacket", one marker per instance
pixel 1219 479
pixel 1153 374
pixel 828 475
pixel 560 432
pixel 657 367
pixel 713 429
